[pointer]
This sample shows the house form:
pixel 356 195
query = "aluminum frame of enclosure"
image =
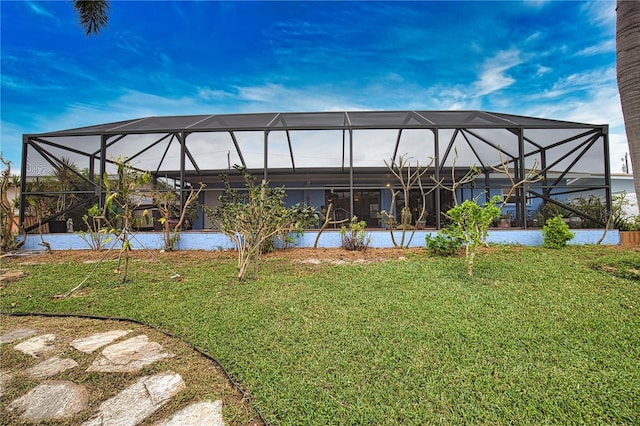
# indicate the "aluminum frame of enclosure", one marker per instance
pixel 294 146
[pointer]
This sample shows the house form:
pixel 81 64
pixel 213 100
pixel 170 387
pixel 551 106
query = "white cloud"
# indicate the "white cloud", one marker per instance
pixel 276 97
pixel 208 94
pixel 594 110
pixel 536 3
pixel 129 105
pixel 542 70
pixel 492 81
pixel 493 76
pixel 130 42
pixel 41 11
pixel 165 60
pixel 10 82
pixel 606 46
pixel 297 28
pixel 11 147
pixel 534 37
pixel 590 97
pixel 264 93
pixel 602 13
pixel 394 78
pixel 579 82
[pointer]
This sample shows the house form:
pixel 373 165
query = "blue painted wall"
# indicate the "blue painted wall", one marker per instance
pixel 211 240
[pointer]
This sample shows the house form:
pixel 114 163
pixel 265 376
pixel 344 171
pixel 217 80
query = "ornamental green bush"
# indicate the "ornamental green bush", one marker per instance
pixel 254 216
pixel 354 236
pixel 470 224
pixel 556 233
pixel 442 245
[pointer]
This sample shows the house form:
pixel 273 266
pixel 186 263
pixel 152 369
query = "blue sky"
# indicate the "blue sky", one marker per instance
pixel 551 59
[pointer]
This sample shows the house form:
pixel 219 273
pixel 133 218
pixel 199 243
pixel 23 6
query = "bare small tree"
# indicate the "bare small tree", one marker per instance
pixel 531 176
pixel 468 177
pixel 409 179
pixel 328 221
pixel 165 201
pixel 7 218
pixel 122 200
pixel 255 216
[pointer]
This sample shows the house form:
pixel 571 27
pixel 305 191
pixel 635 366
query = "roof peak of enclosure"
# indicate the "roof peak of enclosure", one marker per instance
pixel 327 120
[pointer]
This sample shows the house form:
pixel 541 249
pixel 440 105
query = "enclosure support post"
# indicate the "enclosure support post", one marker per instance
pixel 351 210
pixel 545 190
pixel 436 154
pixel 182 138
pixel 92 168
pixel 343 142
pixel 607 169
pixel 265 176
pixel 23 178
pixel 521 193
pixel 103 169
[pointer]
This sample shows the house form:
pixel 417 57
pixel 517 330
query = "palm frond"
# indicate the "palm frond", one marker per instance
pixel 93 14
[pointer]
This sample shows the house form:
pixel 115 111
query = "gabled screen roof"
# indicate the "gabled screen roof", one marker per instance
pixel 296 141
pixel 320 121
pixel 314 149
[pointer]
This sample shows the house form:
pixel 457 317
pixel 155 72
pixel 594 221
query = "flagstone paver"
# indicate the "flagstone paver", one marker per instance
pixel 138 401
pixel 51 367
pixel 129 355
pixel 98 340
pixel 51 401
pixel 17 334
pixel 61 400
pixel 201 413
pixel 37 346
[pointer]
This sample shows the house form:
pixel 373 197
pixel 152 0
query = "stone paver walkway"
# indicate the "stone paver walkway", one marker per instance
pixel 50 401
pixel 138 401
pixel 54 399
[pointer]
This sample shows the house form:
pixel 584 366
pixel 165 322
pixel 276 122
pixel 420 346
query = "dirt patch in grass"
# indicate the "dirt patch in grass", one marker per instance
pixel 294 254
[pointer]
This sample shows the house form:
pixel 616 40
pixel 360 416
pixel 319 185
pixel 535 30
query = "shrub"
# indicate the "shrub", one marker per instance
pixel 631 223
pixel 556 233
pixel 442 244
pixel 96 234
pixel 254 217
pixel 621 220
pixel 470 225
pixel 354 237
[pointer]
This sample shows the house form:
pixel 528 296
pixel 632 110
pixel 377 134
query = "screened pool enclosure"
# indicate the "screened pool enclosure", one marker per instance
pixel 326 157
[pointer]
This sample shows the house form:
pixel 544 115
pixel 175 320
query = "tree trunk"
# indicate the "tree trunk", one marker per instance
pixel 628 69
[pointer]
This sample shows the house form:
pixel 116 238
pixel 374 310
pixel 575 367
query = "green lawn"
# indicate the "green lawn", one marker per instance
pixel 536 336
